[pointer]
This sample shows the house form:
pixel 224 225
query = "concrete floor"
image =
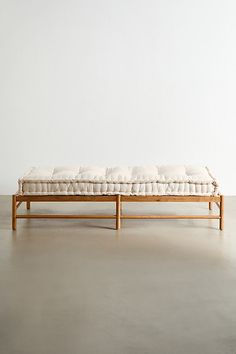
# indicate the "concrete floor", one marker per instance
pixel 155 286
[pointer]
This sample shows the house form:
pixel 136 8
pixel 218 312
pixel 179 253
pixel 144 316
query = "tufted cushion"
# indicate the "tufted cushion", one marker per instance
pixel 137 180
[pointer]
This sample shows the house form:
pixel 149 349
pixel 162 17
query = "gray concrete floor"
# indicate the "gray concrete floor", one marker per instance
pixel 155 286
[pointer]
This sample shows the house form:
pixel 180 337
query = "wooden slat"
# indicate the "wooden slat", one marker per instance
pixel 170 217
pixel 110 198
pixel 63 216
pixel 165 198
pixel 66 198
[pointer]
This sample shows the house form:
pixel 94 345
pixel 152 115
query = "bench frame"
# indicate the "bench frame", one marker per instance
pixel 17 200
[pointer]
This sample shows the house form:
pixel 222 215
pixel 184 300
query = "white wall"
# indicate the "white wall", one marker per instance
pixel 117 82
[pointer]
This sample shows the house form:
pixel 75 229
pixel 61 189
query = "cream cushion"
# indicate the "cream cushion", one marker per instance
pixel 136 180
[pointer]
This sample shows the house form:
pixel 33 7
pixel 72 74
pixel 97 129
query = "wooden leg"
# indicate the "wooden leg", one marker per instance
pixel 118 212
pixel 210 205
pixel 28 205
pixel 221 212
pixel 14 212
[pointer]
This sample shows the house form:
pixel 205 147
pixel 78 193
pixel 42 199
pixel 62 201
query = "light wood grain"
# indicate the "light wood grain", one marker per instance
pixel 222 207
pixel 14 212
pixel 118 199
pixel 66 198
pixel 169 198
pixel 63 216
pixel 118 214
pixel 18 204
pixel 170 217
